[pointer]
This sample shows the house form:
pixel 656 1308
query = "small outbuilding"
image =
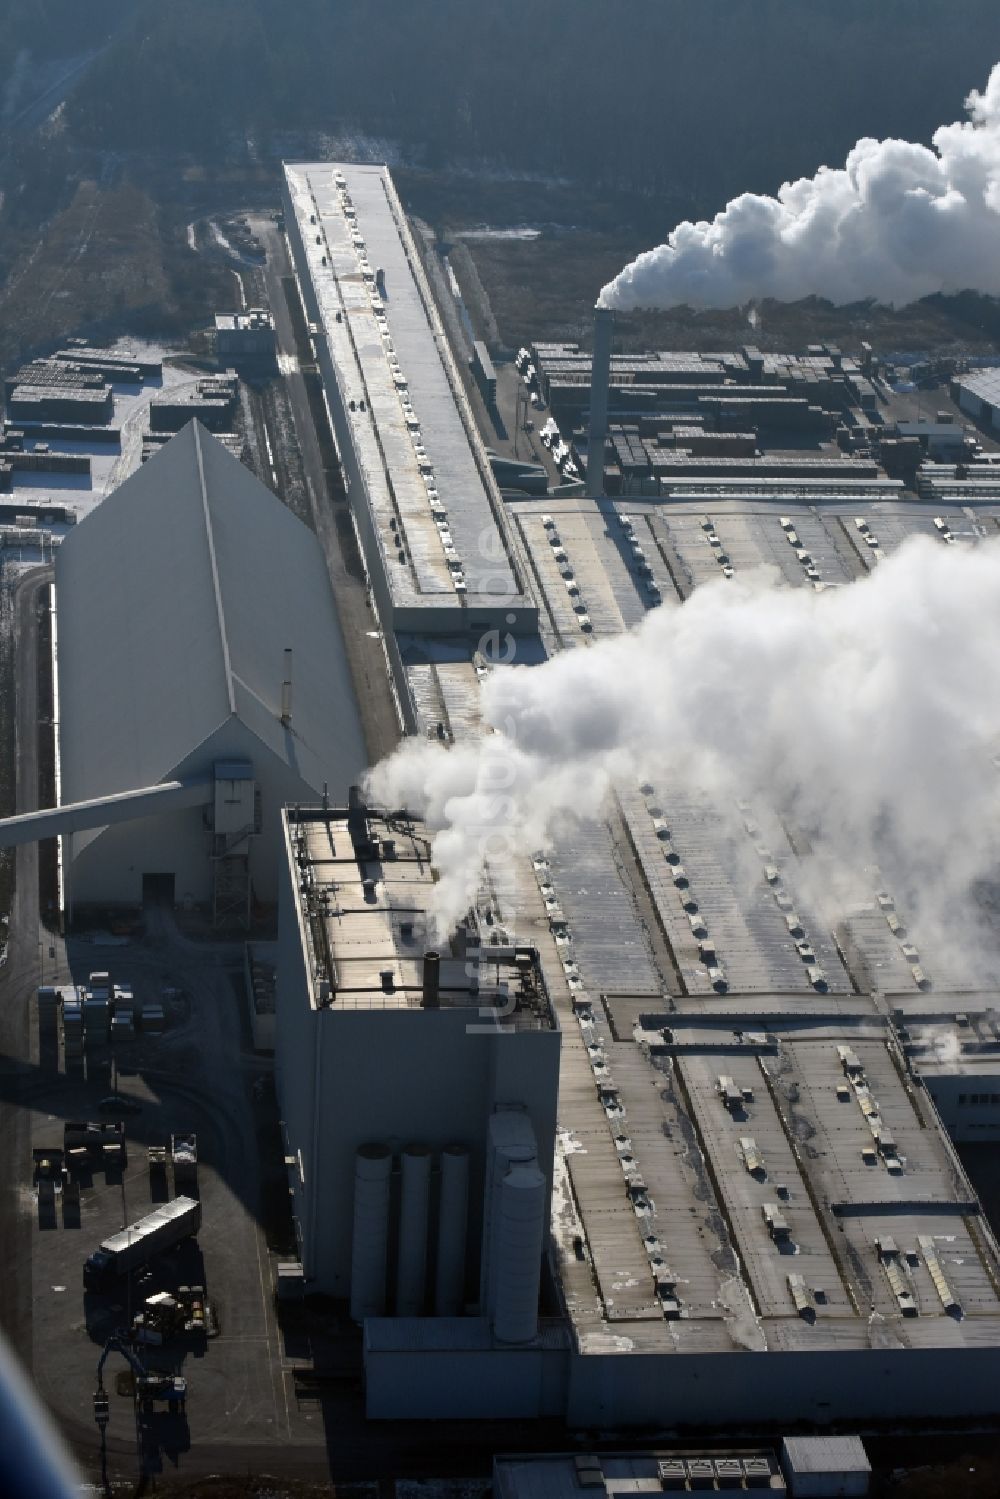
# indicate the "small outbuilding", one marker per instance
pixel 820 1467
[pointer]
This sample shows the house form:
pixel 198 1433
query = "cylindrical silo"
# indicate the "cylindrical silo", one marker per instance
pixel 520 1231
pixel 453 1216
pixel 600 379
pixel 414 1199
pixel 510 1139
pixel 370 1243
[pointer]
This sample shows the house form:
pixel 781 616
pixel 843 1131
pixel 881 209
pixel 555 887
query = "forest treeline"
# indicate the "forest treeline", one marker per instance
pixel 57 28
pixel 693 98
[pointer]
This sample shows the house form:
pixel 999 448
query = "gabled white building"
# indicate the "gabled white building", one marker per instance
pixel 198 643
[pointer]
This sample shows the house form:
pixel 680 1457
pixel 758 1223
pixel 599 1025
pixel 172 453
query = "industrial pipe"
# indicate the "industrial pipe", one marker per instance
pixel 103 811
pixel 432 981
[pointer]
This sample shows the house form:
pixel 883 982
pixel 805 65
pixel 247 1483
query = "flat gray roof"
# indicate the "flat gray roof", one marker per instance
pixel 654 1175
pixel 94 395
pixel 363 885
pixel 423 464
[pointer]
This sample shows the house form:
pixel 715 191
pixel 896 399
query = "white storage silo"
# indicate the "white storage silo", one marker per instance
pixel 519 1232
pixel 453 1216
pixel 369 1247
pixel 411 1273
pixel 510 1139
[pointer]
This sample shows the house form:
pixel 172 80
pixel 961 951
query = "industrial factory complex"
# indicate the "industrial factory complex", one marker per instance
pixel 646 1142
pixel 754 1189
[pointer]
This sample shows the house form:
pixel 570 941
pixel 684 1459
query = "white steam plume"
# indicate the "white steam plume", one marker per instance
pixel 869 714
pixel 897 222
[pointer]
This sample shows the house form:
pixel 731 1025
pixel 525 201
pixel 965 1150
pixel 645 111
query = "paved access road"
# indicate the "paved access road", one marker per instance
pixel 31 952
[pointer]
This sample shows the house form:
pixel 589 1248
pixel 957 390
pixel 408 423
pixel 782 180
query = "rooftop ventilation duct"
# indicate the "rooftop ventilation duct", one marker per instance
pixel 357 820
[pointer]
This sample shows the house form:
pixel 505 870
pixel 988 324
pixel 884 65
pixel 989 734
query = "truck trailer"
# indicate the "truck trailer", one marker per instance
pixel 139 1242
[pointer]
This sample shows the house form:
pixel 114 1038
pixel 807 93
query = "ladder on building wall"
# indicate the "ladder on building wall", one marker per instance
pixel 231 890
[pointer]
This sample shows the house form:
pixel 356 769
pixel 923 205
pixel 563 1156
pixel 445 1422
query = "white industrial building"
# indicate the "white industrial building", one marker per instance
pixel 427 507
pixel 756 1209
pixel 825 1467
pixel 243 335
pixel 978 394
pixel 417 1090
pixel 200 659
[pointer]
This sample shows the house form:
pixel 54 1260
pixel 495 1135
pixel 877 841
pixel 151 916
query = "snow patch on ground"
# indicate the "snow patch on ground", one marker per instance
pixel 521 231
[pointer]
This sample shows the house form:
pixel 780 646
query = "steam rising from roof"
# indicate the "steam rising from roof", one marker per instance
pixel 897 222
pixel 867 714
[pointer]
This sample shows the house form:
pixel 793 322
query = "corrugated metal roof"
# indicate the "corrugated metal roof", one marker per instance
pixel 984 383
pixel 826 1455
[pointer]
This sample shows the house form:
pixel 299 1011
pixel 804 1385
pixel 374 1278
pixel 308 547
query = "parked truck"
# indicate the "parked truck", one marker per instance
pixel 184 1153
pixel 135 1245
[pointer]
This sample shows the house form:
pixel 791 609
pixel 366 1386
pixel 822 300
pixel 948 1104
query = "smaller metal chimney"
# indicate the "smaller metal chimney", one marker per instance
pixel 357 816
pixel 432 981
pixel 286 691
pixel 600 376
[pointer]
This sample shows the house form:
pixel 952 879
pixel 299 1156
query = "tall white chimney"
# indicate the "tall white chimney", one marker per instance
pixel 599 378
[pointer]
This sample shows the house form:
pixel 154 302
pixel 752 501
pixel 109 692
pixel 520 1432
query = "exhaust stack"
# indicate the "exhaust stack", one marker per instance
pixel 604 321
pixel 430 998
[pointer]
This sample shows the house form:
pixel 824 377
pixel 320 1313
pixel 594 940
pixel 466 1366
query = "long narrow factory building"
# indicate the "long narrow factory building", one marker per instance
pixel 424 499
